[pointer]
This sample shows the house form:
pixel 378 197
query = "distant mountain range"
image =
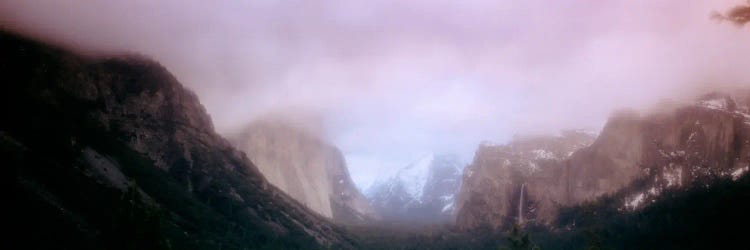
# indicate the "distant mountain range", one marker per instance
pixel 423 191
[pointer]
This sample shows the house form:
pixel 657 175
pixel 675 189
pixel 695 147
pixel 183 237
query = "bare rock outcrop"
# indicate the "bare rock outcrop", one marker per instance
pixel 491 186
pixel 305 167
pixel 689 145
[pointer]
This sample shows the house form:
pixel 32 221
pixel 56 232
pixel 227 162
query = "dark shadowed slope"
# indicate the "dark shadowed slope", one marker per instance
pixel 115 153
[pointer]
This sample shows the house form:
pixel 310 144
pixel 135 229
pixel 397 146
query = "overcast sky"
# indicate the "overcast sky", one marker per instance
pixel 387 81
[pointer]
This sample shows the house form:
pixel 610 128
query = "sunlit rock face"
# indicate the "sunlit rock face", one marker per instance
pixel 423 191
pixel 640 156
pixel 305 167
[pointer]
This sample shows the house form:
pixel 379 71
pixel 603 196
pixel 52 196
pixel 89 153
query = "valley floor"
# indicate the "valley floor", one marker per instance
pixel 713 217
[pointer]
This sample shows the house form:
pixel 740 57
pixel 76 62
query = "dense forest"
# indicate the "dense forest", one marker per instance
pixel 709 216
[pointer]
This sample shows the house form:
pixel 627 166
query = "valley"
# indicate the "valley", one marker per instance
pixel 113 149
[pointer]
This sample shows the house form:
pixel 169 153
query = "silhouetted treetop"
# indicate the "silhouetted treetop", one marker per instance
pixel 739 15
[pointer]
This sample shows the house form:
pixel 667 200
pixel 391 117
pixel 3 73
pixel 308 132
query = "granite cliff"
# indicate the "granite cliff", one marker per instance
pixel 529 180
pixel 305 167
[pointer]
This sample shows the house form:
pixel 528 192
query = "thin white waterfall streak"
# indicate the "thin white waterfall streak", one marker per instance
pixel 520 205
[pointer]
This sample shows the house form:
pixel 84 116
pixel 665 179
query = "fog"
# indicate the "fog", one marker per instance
pixel 386 81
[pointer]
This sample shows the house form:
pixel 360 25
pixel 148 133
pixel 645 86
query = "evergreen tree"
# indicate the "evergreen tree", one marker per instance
pixel 519 239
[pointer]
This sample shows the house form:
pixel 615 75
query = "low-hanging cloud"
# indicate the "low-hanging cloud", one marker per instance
pixel 387 80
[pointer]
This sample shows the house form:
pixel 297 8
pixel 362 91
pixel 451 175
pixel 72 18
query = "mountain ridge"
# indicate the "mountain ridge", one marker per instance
pixel 688 145
pixel 83 137
pixel 422 191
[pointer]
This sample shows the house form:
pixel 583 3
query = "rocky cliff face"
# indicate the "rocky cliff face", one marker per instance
pixel 646 155
pixel 493 183
pixel 110 153
pixel 423 191
pixel 307 168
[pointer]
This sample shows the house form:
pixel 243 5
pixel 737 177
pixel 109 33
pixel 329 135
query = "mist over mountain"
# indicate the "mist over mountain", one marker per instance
pixel 576 124
pixel 637 157
pixel 387 80
pixel 423 191
pixel 305 167
pixel 113 153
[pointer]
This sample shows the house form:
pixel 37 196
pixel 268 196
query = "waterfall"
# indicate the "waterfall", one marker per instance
pixel 520 205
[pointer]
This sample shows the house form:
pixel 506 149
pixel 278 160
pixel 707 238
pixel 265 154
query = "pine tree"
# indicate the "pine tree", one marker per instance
pixel 519 240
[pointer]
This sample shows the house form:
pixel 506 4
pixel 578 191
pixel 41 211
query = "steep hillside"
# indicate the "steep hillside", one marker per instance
pixel 115 154
pixel 689 217
pixel 648 155
pixel 305 167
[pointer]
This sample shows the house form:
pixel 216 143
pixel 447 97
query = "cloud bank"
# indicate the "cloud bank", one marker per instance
pixel 388 80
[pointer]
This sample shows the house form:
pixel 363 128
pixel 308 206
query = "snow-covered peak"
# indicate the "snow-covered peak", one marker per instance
pixel 719 103
pixel 425 189
pixel 414 176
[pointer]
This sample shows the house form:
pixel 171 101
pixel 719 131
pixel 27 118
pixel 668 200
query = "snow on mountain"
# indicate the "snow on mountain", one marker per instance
pixel 414 176
pixel 424 190
pixel 637 159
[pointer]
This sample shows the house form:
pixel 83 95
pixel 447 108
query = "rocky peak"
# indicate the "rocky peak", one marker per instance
pixel 306 167
pixel 422 191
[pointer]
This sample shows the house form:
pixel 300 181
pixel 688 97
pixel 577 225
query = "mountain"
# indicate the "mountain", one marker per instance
pixel 423 191
pixel 305 167
pixel 114 153
pixel 493 183
pixel 638 157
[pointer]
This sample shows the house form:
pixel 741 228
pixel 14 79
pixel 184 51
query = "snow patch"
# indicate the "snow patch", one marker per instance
pixel 447 208
pixel 447 198
pixel 414 177
pixel 717 104
pixel 674 177
pixel 635 202
pixel 533 167
pixel 543 154
pixel 739 172
pixel 653 191
pixel 744 115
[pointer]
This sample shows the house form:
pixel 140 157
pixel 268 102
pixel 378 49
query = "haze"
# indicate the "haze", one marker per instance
pixel 387 81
